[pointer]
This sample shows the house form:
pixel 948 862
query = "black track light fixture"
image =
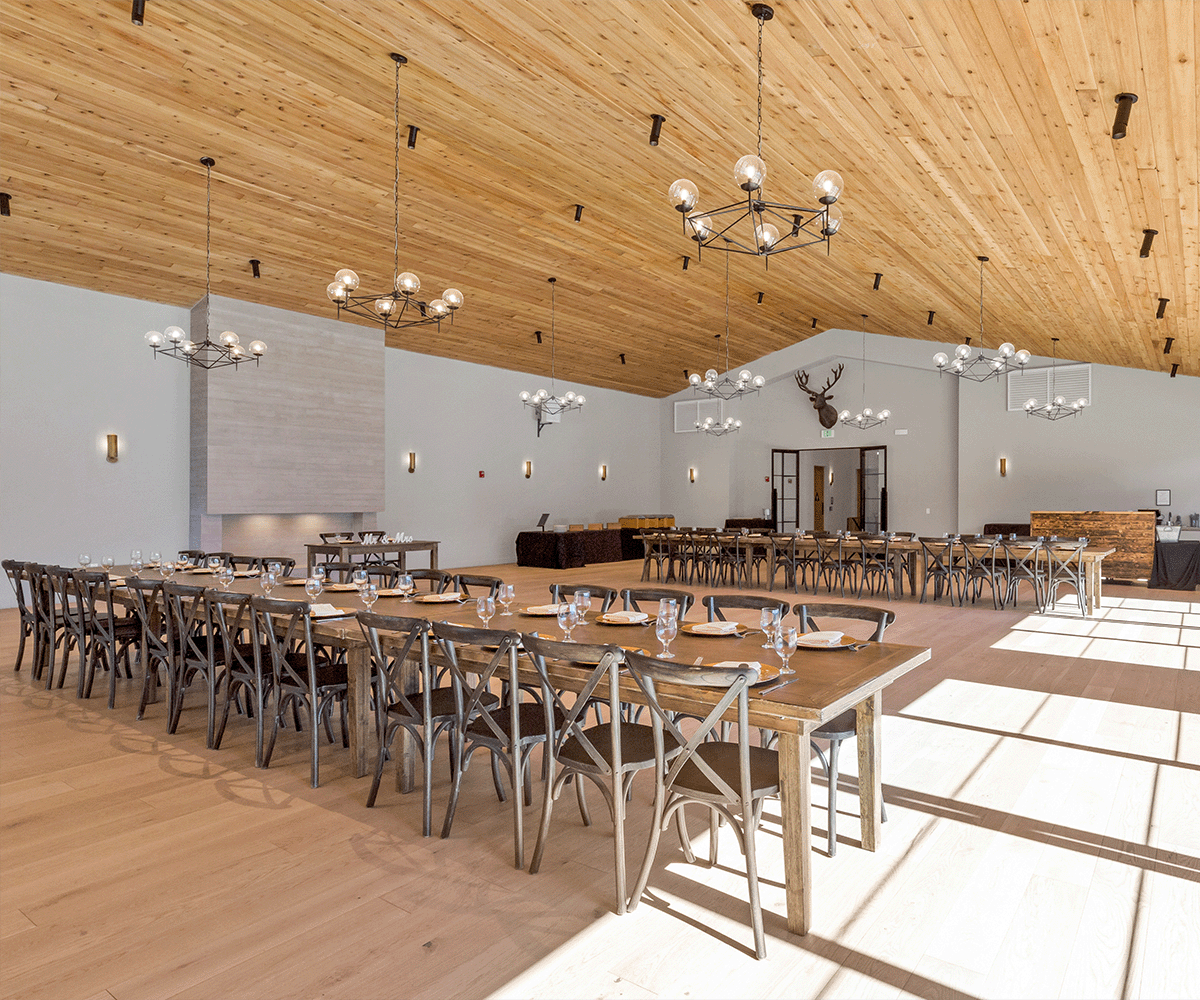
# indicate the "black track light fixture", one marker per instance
pixel 5 202
pixel 929 322
pixel 878 279
pixel 760 297
pixel 1121 122
pixel 1162 305
pixel 578 212
pixel 622 357
pixel 412 136
pixel 538 334
pixel 686 261
pixel 1174 369
pixel 138 14
pixel 254 265
pixel 1167 345
pixel 1147 239
pixel 656 128
pixel 814 326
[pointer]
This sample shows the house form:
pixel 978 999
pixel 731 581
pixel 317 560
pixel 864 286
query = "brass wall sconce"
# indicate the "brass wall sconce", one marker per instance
pixel 112 448
pixel 831 477
pixel 603 472
pixel 1003 467
pixel 691 475
pixel 528 469
pixel 412 461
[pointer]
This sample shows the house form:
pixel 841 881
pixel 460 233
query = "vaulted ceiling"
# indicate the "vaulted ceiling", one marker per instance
pixel 960 128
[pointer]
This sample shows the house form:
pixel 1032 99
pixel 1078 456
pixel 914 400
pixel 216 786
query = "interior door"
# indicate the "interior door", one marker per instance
pixel 818 498
pixel 872 489
pixel 785 488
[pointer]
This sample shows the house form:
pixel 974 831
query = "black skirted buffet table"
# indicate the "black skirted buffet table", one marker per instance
pixel 1176 566
pixel 569 549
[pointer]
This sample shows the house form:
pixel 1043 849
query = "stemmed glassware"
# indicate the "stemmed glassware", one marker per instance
pixel 319 573
pixel 359 578
pixel 276 568
pixel 167 568
pixel 108 563
pixel 666 627
pixel 155 560
pixel 768 621
pixel 84 560
pixel 406 586
pixel 369 592
pixel 267 581
pixel 485 607
pixel 135 562
pixel 568 618
pixel 583 604
pixel 506 596
pixel 313 587
pixel 785 646
pixel 224 575
pixel 214 563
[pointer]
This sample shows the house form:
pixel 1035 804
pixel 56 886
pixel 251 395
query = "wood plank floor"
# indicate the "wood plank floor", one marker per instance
pixel 1042 779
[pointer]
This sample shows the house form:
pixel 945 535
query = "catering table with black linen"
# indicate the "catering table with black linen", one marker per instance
pixel 568 549
pixel 1176 566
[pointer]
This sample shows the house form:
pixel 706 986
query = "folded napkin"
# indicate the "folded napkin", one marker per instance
pixel 545 609
pixel 715 628
pixel 734 664
pixel 446 598
pixel 246 572
pixel 294 581
pixel 626 617
pixel 390 592
pixel 329 611
pixel 340 586
pixel 820 639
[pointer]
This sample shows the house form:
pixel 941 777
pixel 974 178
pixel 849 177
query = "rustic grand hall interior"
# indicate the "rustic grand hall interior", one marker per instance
pixel 820 621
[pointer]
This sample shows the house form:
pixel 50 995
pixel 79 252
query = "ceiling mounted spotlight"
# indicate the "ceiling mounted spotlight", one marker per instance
pixel 5 199
pixel 1121 122
pixel 1174 369
pixel 1162 304
pixel 878 279
pixel 1167 346
pixel 254 265
pixel 412 136
pixel 578 212
pixel 760 298
pixel 685 262
pixel 656 128
pixel 622 357
pixel 538 334
pixel 1147 239
pixel 929 322
pixel 138 14
pixel 814 326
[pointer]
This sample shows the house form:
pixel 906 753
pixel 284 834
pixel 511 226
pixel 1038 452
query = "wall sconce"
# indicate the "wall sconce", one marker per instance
pixel 412 461
pixel 691 475
pixel 112 448
pixel 528 469
pixel 1003 467
pixel 603 472
pixel 831 477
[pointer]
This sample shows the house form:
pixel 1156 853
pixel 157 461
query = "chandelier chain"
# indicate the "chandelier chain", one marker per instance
pixel 396 183
pixel 207 248
pixel 760 85
pixel 553 285
pixel 726 316
pixel 981 305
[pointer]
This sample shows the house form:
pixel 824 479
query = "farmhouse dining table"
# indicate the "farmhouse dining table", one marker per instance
pixel 827 682
pixel 346 551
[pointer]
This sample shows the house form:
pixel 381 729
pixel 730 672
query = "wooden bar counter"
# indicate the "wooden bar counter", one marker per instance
pixel 1130 533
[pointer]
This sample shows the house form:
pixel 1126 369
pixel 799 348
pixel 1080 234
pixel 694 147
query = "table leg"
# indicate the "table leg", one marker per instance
pixel 870 784
pixel 405 745
pixel 796 810
pixel 433 556
pixel 358 706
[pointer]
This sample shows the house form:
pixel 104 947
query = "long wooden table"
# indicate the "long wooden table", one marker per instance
pixel 345 551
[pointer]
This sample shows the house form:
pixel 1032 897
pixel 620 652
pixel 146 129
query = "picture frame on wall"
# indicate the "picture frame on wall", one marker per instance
pixel 1162 498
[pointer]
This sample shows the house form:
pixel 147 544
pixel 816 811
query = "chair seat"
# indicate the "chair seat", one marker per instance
pixel 839 728
pixel 441 702
pixel 128 628
pixel 328 674
pixel 531 717
pixel 637 745
pixel 723 758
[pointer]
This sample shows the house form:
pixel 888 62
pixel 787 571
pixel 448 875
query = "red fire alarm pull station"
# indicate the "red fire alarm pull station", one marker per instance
pixel 481 473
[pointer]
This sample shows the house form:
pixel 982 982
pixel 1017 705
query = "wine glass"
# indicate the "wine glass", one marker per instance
pixel 568 618
pixel 155 560
pixel 268 581
pixel 369 594
pixel 276 568
pixel 666 628
pixel 406 586
pixel 84 560
pixel 224 575
pixel 135 563
pixel 583 604
pixel 785 646
pixel 313 586
pixel 507 594
pixel 319 573
pixel 359 578
pixel 214 563
pixel 766 619
pixel 168 568
pixel 108 563
pixel 485 607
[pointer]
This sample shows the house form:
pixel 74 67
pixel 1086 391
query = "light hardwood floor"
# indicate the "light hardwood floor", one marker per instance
pixel 1042 778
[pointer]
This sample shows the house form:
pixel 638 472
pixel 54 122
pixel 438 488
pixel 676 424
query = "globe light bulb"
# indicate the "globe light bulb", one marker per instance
pixel 453 298
pixel 384 306
pixel 155 339
pixel 683 194
pixel 1030 405
pixel 1007 350
pixel 844 415
pixel 188 347
pixel 759 381
pixel 347 277
pixel 941 360
pixel 438 308
pixel 694 379
pixel 833 220
pixel 524 397
pixel 581 399
pixel 1060 401
pixel 737 423
pixel 962 352
pixel 749 173
pixel 407 283
pixel 710 375
pixel 229 338
pixel 336 292
pixel 766 236
pixel 235 351
pixel 868 412
pixel 1083 401
pixel 258 348
pixel 701 228
pixel 174 334
pixel 827 187
pixel 744 375
pixel 570 397
pixel 884 414
pixel 1022 357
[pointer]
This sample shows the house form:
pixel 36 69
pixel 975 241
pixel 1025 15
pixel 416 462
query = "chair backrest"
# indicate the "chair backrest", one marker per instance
pixel 733 684
pixel 631 595
pixel 333 537
pixel 875 549
pixel 231 612
pixel 602 683
pixel 881 617
pixel 1065 557
pixel 392 682
pixel 223 556
pixel 937 555
pixel 96 604
pixel 284 629
pixel 41 597
pixel 438 581
pixel 193 557
pixel 191 624
pixel 18 576
pixel 67 596
pixel 150 602
pixel 244 562
pixel 716 604
pixel 339 572
pixel 1022 559
pixel 980 556
pixel 472 696
pixel 286 563
pixel 829 547
pixel 462 582
pixel 606 595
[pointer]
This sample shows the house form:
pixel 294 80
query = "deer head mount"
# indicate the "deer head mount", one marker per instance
pixel 820 399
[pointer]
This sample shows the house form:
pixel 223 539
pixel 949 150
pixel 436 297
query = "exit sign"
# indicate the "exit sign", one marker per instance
pixel 826 432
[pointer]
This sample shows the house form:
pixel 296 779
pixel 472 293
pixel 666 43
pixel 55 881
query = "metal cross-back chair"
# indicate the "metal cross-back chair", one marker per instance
pixel 18 576
pixel 979 567
pixel 844 726
pixel 303 675
pixel 717 604
pixel 232 616
pixel 462 582
pixel 424 713
pixel 1064 564
pixel 609 754
pixel 630 596
pixel 730 780
pixel 158 650
pixel 657 552
pixel 45 620
pixel 109 637
pixel 1022 563
pixel 875 564
pixel 439 582
pixel 938 565
pixel 197 653
pixel 509 730
pixel 830 563
pixel 606 595
pixel 74 624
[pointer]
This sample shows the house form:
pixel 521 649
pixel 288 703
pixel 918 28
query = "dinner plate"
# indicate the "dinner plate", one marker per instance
pixel 845 642
pixel 339 587
pixel 336 613
pixel 605 620
pixel 767 672
pixel 293 581
pixel 541 611
pixel 741 630
pixel 450 598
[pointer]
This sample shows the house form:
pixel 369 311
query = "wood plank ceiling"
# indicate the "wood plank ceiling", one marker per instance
pixel 960 129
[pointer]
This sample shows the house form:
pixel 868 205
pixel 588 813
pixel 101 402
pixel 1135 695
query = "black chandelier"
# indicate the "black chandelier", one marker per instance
pixel 1056 407
pixel 227 349
pixel 397 308
pixel 981 368
pixel 757 226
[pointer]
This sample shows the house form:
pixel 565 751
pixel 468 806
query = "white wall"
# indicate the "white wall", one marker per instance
pixel 74 368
